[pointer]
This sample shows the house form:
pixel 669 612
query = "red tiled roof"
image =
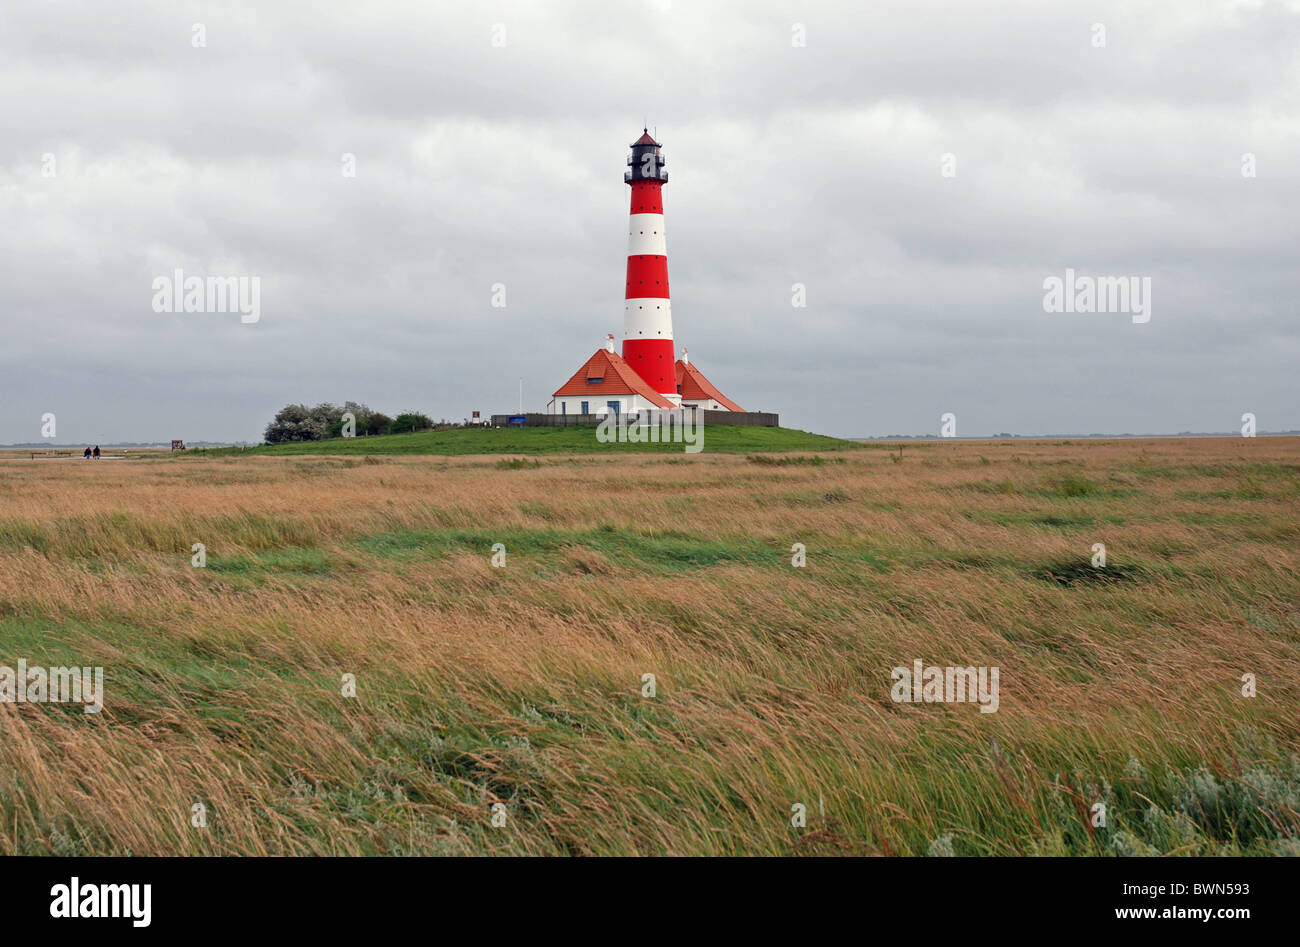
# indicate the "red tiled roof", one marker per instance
pixel 619 378
pixel 693 386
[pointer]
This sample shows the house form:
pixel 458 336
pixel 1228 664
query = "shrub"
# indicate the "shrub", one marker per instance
pixel 294 422
pixel 328 415
pixel 410 421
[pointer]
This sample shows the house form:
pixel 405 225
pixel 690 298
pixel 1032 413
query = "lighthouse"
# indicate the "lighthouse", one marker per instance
pixel 647 375
pixel 648 310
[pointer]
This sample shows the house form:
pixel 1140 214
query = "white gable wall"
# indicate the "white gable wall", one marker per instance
pixel 705 404
pixel 572 404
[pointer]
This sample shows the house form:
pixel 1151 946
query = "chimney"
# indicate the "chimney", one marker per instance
pixel 686 357
pixel 609 342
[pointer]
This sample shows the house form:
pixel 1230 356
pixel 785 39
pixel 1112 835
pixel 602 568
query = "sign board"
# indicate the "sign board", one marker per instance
pixel 518 419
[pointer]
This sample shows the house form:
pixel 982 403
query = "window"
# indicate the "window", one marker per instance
pixel 586 407
pixel 564 407
pixel 613 406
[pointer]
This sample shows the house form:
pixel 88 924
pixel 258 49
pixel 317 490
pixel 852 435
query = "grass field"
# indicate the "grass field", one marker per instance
pixel 523 685
pixel 717 438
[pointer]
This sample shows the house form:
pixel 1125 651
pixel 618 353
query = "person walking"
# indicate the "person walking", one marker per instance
pixel 86 454
pixel 97 452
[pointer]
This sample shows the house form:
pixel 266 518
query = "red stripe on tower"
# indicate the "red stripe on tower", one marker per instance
pixel 647 316
pixel 647 275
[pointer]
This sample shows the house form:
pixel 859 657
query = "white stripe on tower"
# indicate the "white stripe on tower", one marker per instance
pixel 645 235
pixel 650 317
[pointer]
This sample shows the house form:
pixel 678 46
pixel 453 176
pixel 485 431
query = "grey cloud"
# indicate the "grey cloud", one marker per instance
pixel 817 165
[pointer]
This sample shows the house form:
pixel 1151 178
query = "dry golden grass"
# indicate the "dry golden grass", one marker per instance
pixel 522 685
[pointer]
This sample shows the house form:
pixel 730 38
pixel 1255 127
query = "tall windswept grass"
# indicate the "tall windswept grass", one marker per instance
pixel 527 685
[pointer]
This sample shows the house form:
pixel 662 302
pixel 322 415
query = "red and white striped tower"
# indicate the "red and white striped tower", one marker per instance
pixel 648 316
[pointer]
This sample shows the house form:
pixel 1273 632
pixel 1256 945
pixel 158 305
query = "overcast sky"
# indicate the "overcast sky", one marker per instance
pixel 820 164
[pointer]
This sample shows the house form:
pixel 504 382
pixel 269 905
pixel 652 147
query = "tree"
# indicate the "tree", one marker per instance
pixel 327 414
pixel 410 421
pixel 294 422
pixel 378 424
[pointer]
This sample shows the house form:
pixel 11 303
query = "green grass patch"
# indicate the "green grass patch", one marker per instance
pixel 798 461
pixel 717 438
pixel 656 551
pixel 1053 519
pixel 294 561
pixel 1079 487
pixel 1003 487
pixel 1074 573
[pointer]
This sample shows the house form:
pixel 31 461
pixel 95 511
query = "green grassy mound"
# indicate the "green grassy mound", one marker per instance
pixel 718 438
